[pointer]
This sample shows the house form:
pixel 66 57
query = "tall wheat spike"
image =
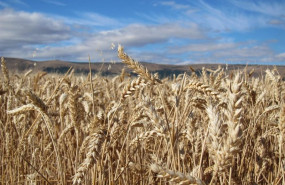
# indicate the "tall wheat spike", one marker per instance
pixel 136 67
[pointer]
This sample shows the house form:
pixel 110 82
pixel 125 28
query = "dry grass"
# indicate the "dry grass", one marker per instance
pixel 219 128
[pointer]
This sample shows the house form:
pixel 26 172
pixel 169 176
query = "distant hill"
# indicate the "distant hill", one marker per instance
pixel 57 66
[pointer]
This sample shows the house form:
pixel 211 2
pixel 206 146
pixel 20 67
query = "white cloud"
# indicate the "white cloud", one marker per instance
pixel 140 35
pixel 204 47
pixel 244 54
pixel 159 58
pixel 221 51
pixel 169 40
pixel 281 56
pixel 22 28
pixel 131 36
pixel 22 32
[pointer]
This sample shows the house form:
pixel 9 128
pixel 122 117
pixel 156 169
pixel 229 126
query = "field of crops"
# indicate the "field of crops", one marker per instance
pixel 213 128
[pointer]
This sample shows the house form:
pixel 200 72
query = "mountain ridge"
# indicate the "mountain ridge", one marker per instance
pixel 58 66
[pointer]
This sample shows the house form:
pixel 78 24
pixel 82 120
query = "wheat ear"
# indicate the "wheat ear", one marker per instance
pixel 136 67
pixel 175 177
pixel 92 156
pixel 201 87
pixel 132 87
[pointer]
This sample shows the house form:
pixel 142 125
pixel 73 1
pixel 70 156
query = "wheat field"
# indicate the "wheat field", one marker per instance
pixel 215 128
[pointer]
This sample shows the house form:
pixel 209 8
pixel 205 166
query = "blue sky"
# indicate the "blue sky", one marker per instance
pixel 169 32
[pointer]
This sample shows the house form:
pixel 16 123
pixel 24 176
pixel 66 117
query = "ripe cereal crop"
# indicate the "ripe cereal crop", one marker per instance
pixel 216 127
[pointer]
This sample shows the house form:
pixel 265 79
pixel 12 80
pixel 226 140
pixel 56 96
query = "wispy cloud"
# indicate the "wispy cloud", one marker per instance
pixel 20 2
pixel 3 4
pixel 88 21
pixel 10 3
pixel 271 8
pixel 54 2
pixel 226 17
pixel 95 19
pixel 226 20
pixel 175 5
pixel 186 9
